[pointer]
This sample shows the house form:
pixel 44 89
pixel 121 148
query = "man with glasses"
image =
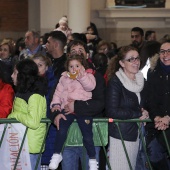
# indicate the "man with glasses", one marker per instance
pixel 137 38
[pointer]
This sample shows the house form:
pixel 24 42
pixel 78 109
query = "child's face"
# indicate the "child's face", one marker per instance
pixel 74 65
pixel 42 67
pixel 90 31
pixel 14 76
pixel 63 26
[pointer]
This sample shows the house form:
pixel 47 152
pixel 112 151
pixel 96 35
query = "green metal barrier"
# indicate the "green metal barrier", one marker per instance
pixel 100 132
pixel 116 121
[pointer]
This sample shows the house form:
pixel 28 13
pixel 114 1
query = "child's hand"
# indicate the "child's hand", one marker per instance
pixel 81 72
pixel 55 108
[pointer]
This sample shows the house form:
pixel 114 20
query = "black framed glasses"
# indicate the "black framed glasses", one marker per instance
pixel 165 51
pixel 133 59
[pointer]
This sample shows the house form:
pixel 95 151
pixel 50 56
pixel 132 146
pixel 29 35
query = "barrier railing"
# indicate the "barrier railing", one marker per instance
pixel 100 132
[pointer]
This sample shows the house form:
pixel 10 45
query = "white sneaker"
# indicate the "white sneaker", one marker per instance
pixel 55 160
pixel 93 164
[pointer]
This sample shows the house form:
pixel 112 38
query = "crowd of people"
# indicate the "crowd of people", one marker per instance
pixel 65 76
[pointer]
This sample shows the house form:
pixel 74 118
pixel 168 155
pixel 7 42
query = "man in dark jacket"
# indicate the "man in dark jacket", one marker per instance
pixel 93 107
pixel 55 47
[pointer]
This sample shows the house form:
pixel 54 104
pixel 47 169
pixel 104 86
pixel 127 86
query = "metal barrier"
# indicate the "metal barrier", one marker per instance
pixel 100 132
pixel 100 138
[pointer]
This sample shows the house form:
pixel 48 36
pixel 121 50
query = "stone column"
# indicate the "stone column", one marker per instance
pixel 78 15
pixel 110 3
pixel 167 4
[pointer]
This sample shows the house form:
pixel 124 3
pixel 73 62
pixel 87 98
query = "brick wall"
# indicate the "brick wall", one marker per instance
pixel 13 15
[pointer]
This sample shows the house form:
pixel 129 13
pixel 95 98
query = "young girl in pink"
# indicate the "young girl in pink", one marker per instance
pixel 75 84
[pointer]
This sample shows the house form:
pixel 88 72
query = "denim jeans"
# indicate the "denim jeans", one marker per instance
pixel 71 157
pixel 33 160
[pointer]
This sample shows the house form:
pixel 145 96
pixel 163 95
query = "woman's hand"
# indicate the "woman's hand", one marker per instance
pixel 57 120
pixel 162 123
pixel 145 114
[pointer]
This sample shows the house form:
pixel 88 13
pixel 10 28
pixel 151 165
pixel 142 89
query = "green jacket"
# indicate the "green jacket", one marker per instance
pixel 30 115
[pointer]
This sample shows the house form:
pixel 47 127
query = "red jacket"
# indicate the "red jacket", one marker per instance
pixel 6 99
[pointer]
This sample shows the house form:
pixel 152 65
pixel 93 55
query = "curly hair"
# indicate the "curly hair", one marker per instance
pixel 80 58
pixel 114 62
pixel 28 79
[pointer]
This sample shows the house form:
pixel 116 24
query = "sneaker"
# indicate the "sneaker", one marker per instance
pixel 93 164
pixel 54 162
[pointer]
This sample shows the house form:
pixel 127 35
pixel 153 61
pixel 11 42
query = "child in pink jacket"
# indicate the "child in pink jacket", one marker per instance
pixel 75 84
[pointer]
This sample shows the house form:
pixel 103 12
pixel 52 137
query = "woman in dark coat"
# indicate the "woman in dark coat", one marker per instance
pixel 124 101
pixel 158 87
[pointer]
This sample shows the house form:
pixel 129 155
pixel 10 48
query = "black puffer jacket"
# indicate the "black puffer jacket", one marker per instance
pixel 158 88
pixel 122 104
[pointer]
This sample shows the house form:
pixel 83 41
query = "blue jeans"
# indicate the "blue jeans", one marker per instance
pixel 33 160
pixel 71 157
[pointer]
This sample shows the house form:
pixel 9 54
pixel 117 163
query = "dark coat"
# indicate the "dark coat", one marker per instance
pixel 122 104
pixel 158 103
pixel 96 105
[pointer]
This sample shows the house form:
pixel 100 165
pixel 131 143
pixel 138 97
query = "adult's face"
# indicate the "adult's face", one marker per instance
pixel 136 38
pixel 131 63
pixel 30 41
pixel 165 53
pixel 14 76
pixel 50 45
pixel 4 51
pixel 152 37
pixel 78 49
pixel 103 49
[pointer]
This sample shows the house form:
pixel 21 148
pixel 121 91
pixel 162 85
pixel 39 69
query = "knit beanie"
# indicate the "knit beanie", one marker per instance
pixel 63 20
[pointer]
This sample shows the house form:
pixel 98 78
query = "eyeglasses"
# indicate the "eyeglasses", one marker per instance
pixel 165 51
pixel 133 59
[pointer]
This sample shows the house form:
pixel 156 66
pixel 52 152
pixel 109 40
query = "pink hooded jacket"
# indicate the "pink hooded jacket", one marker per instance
pixel 69 89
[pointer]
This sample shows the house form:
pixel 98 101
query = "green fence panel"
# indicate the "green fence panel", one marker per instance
pixel 74 137
pixel 100 135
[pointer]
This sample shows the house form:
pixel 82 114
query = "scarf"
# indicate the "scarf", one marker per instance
pixel 165 68
pixel 135 86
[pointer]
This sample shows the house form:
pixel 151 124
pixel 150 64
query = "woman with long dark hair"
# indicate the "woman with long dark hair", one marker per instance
pixel 30 105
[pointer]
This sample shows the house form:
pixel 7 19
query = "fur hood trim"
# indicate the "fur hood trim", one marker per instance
pixel 153 61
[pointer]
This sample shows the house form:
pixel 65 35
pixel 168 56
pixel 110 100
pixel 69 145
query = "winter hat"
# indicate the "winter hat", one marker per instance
pixel 63 20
